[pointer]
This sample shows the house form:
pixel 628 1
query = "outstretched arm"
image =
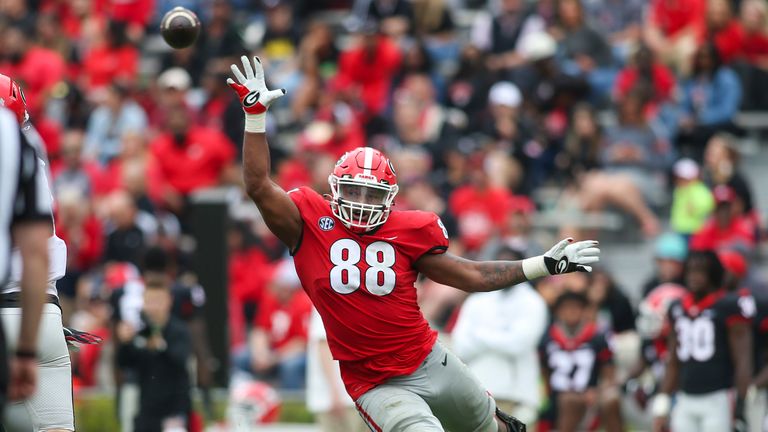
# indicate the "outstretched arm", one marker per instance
pixel 478 276
pixel 278 210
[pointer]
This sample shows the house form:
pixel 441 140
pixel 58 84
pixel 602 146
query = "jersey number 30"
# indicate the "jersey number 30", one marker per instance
pixel 345 274
pixel 695 338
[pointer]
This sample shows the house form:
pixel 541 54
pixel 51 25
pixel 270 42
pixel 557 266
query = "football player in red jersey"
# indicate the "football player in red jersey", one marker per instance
pixel 357 260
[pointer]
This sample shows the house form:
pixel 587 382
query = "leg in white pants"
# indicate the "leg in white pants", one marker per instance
pixel 709 412
pixel 51 405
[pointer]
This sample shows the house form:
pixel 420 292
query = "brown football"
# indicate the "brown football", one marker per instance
pixel 180 27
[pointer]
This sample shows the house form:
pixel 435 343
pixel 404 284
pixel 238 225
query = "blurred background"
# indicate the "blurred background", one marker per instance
pixel 637 122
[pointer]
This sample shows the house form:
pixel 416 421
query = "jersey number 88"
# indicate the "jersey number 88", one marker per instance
pixel 345 274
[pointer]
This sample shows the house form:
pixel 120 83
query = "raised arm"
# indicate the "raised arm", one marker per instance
pixel 278 210
pixel 478 276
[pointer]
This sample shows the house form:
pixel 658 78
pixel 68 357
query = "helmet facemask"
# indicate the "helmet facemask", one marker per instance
pixel 361 204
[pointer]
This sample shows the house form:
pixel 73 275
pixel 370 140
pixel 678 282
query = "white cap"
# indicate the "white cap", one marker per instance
pixel 175 78
pixel 506 94
pixel 538 46
pixel 686 169
pixel 285 275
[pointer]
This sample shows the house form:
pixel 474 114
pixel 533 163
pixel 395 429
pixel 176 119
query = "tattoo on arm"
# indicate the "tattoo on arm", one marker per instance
pixel 493 275
pixel 500 274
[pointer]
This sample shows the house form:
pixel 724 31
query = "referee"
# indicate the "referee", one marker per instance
pixel 25 221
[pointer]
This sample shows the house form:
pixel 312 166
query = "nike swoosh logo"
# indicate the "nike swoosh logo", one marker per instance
pixel 445 360
pixel 391 238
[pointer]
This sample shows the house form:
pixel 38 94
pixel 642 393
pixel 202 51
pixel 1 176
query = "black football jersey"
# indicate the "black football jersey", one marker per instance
pixel 701 328
pixel 574 362
pixel 761 333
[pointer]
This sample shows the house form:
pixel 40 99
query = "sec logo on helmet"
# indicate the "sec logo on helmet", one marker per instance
pixel 326 223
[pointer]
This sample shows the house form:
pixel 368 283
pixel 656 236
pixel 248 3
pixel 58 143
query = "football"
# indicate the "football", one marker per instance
pixel 180 27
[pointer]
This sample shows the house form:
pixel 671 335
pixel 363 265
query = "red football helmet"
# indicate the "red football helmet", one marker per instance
pixel 363 185
pixel 12 97
pixel 252 403
pixel 652 312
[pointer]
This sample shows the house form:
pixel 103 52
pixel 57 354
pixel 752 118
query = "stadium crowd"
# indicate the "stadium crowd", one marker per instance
pixel 493 112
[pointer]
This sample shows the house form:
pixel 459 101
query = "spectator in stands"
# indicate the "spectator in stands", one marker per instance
pixel 673 30
pixel 279 338
pixel 725 30
pixel 503 34
pixel 497 335
pixel 249 266
pixel 159 352
pixel 73 171
pixel 50 34
pixel 17 12
pixel 754 17
pixel 126 241
pixel 511 129
pixel 619 21
pixel 633 150
pixel 82 232
pixel 326 397
pixel 367 70
pixel 468 88
pixel 692 200
pixel 394 16
pixel 318 61
pixel 709 100
pixel 590 188
pixel 583 48
pixel 23 60
pixel 434 23
pixel 725 229
pixel 550 89
pixel 280 44
pixel 418 119
pixel 722 166
pixel 417 61
pixel 220 42
pixel 183 147
pixel 115 116
pixel 648 77
pixel 134 13
pixel 111 59
pixel 479 207
pixel 670 252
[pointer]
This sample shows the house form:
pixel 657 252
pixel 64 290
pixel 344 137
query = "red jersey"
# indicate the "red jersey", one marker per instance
pixel 362 286
pixel 284 322
pixel 206 152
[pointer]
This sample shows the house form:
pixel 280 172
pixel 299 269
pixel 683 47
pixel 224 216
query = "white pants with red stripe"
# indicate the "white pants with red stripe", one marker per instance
pixel 441 395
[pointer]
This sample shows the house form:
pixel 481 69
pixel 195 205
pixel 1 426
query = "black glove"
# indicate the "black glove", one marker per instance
pixel 739 419
pixel 513 424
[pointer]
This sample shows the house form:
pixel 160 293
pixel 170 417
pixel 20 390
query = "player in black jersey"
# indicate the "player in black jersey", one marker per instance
pixel 576 358
pixel 710 348
pixel 757 396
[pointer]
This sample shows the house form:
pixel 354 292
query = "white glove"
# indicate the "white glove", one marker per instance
pixel 564 257
pixel 253 93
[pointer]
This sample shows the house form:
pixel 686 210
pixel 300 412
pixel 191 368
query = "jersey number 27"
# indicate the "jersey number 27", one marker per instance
pixel 346 275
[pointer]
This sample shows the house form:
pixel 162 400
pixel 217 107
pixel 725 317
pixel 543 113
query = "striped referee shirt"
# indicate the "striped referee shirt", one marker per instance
pixel 22 198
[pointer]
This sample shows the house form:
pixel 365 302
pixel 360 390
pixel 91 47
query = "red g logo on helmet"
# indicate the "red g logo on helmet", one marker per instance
pixel 364 185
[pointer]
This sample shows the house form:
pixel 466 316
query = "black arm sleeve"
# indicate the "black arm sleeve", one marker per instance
pixel 32 202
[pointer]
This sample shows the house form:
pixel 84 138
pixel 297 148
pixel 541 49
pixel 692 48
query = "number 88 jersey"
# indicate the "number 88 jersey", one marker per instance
pixel 363 287
pixel 701 329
